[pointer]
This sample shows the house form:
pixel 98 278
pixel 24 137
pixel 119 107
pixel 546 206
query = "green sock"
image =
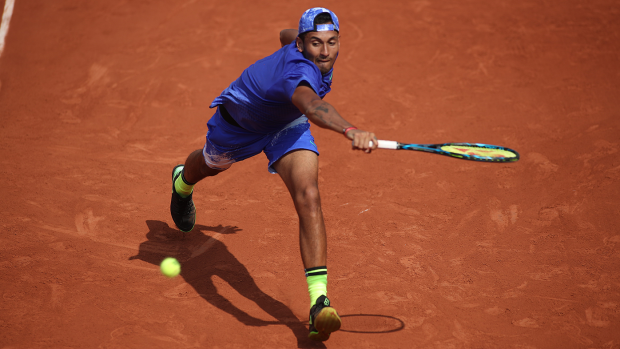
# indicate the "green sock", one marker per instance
pixel 182 187
pixel 317 283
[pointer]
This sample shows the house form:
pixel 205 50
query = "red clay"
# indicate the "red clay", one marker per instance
pixel 100 99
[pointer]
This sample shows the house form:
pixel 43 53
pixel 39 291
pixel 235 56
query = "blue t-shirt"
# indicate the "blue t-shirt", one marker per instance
pixel 260 99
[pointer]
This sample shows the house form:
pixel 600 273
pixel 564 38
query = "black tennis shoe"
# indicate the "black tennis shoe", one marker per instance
pixel 323 320
pixel 182 210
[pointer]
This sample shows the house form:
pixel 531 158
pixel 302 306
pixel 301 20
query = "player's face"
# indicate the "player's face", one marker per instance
pixel 321 48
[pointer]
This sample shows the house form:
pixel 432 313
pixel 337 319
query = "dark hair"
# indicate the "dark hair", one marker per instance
pixel 321 18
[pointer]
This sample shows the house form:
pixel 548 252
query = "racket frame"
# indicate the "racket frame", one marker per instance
pixel 436 149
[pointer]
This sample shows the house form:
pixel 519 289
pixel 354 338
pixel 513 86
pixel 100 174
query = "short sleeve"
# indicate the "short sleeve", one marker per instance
pixel 283 90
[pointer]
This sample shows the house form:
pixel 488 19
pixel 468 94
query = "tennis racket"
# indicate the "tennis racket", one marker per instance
pixel 465 151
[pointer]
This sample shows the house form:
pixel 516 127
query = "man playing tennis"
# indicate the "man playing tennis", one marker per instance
pixel 267 110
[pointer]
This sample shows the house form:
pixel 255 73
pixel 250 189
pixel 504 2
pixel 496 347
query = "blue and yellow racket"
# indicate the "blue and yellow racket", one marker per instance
pixel 465 151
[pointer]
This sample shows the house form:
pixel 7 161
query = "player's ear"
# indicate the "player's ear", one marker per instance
pixel 300 44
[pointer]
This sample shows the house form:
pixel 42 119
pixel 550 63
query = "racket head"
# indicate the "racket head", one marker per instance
pixel 478 152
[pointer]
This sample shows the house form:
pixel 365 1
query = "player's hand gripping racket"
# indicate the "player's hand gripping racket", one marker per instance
pixel 465 151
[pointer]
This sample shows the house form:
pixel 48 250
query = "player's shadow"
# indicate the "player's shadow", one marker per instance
pixel 202 257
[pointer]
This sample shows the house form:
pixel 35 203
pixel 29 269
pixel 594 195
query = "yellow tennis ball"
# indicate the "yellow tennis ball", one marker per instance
pixel 170 267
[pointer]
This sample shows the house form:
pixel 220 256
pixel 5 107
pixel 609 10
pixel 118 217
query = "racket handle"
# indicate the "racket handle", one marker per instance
pixel 386 144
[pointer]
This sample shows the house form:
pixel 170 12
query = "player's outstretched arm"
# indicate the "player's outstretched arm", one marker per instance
pixel 287 36
pixel 325 115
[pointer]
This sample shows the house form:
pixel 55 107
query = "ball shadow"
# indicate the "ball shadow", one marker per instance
pixel 202 257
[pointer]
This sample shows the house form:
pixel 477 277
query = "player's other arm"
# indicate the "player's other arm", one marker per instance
pixel 325 115
pixel 287 36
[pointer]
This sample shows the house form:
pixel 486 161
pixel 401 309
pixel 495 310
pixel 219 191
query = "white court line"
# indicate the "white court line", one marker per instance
pixel 6 18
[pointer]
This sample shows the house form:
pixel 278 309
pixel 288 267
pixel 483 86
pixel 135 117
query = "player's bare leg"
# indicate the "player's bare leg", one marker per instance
pixel 196 168
pixel 300 171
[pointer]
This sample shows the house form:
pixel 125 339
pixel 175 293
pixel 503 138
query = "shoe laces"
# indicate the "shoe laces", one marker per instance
pixel 183 206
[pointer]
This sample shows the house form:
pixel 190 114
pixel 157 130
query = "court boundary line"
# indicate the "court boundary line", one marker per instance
pixel 6 19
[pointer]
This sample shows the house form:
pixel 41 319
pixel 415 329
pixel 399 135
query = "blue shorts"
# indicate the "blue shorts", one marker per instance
pixel 227 144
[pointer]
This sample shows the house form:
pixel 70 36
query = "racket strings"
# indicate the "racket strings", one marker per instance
pixel 478 151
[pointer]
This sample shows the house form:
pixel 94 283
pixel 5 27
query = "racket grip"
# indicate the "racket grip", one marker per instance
pixel 386 144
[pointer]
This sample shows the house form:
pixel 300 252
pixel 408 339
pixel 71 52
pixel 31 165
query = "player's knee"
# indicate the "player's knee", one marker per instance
pixel 308 199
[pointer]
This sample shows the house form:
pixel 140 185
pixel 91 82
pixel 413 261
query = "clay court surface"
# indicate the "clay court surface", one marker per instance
pixel 100 99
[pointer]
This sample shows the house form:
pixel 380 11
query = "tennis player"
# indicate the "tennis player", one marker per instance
pixel 267 110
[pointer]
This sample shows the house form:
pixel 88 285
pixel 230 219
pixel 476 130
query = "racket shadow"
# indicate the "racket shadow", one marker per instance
pixel 371 323
pixel 202 257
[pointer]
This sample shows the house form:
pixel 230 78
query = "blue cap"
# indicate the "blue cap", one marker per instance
pixel 306 23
